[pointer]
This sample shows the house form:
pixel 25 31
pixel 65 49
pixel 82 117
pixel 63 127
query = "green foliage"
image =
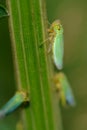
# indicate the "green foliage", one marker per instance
pixel 3 11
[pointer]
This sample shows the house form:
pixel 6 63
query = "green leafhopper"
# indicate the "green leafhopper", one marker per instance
pixel 19 99
pixel 57 43
pixel 66 94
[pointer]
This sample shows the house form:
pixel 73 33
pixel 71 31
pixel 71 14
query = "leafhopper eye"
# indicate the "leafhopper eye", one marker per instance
pixel 58 27
pixel 58 87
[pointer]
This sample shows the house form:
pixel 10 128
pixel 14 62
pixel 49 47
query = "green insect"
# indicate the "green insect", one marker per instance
pixel 57 43
pixel 66 94
pixel 19 99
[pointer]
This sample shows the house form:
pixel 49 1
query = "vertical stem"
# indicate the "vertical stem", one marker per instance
pixel 27 30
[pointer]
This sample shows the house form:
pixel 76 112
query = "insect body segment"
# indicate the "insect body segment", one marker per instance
pixel 56 36
pixel 19 99
pixel 66 94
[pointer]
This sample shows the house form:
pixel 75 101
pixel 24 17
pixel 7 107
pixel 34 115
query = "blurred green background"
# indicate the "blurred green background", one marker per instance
pixel 73 15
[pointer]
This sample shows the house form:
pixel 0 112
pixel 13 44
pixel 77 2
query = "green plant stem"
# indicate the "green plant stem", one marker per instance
pixel 27 29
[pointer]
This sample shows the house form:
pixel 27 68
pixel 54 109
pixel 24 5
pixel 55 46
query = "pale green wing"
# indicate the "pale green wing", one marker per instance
pixel 58 51
pixel 66 88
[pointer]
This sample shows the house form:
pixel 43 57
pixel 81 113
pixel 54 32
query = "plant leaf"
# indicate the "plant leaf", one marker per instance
pixel 3 11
